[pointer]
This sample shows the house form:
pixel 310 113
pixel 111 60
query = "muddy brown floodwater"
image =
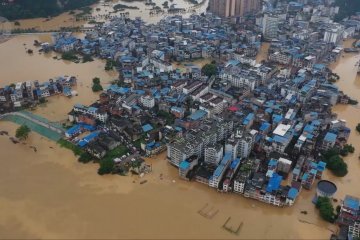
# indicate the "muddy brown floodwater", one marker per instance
pixel 17 65
pixel 100 10
pixel 48 194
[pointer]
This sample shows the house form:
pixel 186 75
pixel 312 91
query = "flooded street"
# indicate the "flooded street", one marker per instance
pixel 263 53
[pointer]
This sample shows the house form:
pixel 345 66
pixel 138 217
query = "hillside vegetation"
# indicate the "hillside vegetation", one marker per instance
pixel 347 8
pixel 21 9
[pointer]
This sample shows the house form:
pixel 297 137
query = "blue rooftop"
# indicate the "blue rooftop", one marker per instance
pixel 147 128
pixel 330 137
pixel 248 118
pixel 91 136
pixel 309 128
pixel 277 118
pixel 184 165
pixel 352 203
pixel 273 162
pixel 117 89
pixel 296 171
pixel 293 192
pixel 235 163
pixel 280 139
pixel 224 162
pixel 264 126
pixel 305 176
pixel 198 115
pixel 321 166
pixel 274 183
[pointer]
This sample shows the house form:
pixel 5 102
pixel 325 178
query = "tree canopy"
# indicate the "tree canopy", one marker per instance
pixel 96 87
pixel 358 127
pixel 346 8
pixel 335 163
pixel 209 70
pixel 326 209
pixel 20 9
pixel 22 132
pixel 106 166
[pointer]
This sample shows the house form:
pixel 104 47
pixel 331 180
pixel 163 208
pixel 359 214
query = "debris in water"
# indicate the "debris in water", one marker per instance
pixel 14 140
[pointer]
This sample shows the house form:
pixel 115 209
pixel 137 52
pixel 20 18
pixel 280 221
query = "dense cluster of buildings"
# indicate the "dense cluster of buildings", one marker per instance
pixel 25 94
pixel 252 128
pixel 349 218
pixel 234 8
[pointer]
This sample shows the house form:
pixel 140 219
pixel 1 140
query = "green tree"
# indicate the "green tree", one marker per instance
pixel 21 9
pixel 96 80
pixel 209 70
pixel 69 56
pixel 22 132
pixel 346 8
pixel 110 64
pixel 85 157
pixel 348 148
pixel 87 58
pixel 337 165
pixel 358 127
pixel 326 209
pixel 96 87
pixel 106 166
pixel 42 100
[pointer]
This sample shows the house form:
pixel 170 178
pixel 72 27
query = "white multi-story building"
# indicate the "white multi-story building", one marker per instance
pixel 189 88
pixel 147 101
pixel 181 150
pixel 29 88
pixel 270 26
pixel 213 154
pixel 231 146
pixel 245 146
pixel 354 230
pixel 93 111
pixel 280 57
pixel 334 33
pixel 19 90
pixel 161 65
pixel 272 199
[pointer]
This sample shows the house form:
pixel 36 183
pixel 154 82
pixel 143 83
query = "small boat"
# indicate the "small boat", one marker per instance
pixel 143 181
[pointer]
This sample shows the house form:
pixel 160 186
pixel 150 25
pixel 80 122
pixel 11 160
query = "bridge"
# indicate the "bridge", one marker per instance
pixel 44 127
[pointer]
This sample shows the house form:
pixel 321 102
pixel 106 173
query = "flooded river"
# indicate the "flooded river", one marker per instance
pixel 100 10
pixel 17 65
pixel 349 83
pixel 48 194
